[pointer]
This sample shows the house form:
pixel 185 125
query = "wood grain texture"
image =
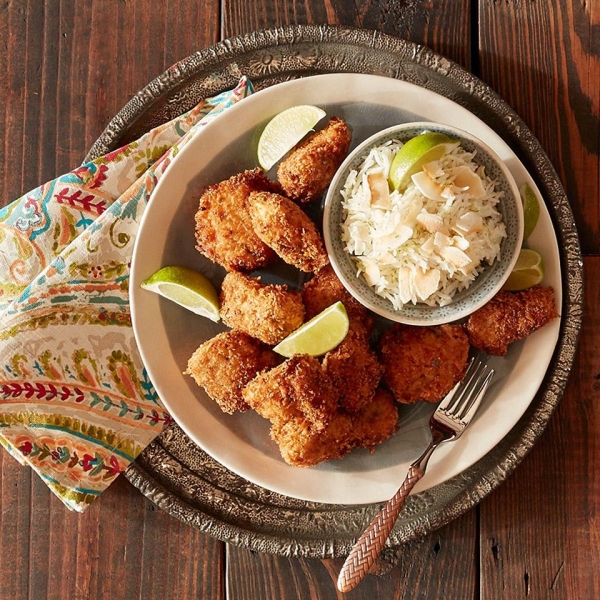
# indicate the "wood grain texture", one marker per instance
pixel 443 25
pixel 427 569
pixel 70 66
pixel 543 58
pixel 540 531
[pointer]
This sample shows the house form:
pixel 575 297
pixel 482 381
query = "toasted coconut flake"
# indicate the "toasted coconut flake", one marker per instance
pixel 379 188
pixel 370 270
pixel 441 240
pixel 404 285
pixel 428 247
pixel 433 169
pixel 455 256
pixel 470 222
pixel 427 186
pixel 426 283
pixel 432 222
pixel 460 242
pixel 465 179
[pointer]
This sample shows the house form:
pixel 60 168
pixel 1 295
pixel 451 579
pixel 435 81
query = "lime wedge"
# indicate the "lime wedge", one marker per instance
pixel 418 151
pixel 284 131
pixel 317 336
pixel 186 287
pixel 531 210
pixel 528 271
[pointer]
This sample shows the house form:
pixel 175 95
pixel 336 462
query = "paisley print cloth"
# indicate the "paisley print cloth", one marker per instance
pixel 76 403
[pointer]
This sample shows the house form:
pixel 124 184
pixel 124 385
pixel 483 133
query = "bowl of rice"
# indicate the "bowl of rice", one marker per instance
pixel 434 250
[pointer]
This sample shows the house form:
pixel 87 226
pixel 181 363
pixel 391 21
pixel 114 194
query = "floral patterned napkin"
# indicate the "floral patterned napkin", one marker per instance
pixel 76 403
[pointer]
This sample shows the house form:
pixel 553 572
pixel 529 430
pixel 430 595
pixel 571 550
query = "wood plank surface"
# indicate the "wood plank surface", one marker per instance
pixel 543 58
pixel 70 66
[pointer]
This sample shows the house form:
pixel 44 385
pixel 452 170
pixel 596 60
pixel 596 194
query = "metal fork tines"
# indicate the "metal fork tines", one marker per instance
pixel 458 408
pixel 447 423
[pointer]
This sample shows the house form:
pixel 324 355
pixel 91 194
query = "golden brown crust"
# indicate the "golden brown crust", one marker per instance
pixel 509 317
pixel 296 388
pixel 325 289
pixel 224 231
pixel 307 171
pixel 224 364
pixel 423 363
pixel 355 371
pixel 287 229
pixel 302 446
pixel 267 312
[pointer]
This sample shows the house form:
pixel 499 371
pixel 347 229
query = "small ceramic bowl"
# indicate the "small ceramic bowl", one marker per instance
pixel 487 283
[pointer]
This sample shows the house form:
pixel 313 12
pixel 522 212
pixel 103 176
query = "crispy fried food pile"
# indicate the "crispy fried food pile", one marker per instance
pixel 509 317
pixel 322 408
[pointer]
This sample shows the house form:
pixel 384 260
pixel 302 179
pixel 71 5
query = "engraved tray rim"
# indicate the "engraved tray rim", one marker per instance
pixel 219 502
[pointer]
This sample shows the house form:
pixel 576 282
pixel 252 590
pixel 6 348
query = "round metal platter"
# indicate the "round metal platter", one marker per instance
pixel 183 480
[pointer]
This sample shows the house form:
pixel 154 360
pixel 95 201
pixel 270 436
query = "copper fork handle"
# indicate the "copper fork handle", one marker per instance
pixel 371 542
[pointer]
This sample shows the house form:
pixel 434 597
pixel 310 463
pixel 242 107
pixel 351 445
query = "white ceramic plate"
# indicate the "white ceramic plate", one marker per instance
pixel 168 334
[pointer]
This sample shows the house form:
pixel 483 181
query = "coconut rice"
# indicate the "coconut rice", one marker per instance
pixel 431 241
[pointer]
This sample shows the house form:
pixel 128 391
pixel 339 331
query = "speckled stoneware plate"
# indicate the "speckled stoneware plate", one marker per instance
pixel 182 479
pixel 491 278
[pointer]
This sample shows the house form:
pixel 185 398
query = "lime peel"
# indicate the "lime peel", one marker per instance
pixel 531 210
pixel 185 287
pixel 527 272
pixel 416 152
pixel 284 131
pixel 320 335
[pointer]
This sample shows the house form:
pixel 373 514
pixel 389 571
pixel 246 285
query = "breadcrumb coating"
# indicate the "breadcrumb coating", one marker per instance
pixel 509 317
pixel 423 363
pixel 224 232
pixel 288 230
pixel 224 365
pixel 298 388
pixel 355 371
pixel 303 446
pixel 305 173
pixel 266 312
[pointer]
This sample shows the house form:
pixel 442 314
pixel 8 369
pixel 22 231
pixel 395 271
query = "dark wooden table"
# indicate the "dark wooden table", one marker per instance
pixel 70 65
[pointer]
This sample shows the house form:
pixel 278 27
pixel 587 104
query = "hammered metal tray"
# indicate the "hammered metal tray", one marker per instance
pixel 188 484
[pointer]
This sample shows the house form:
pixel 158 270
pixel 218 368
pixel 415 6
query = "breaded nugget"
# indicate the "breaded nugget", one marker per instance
pixel 224 231
pixel 325 289
pixel 509 317
pixel 296 388
pixel 267 312
pixel 376 421
pixel 355 371
pixel 423 363
pixel 288 230
pixel 224 364
pixel 307 171
pixel 301 446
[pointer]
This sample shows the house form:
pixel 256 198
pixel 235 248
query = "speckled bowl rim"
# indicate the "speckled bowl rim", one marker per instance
pixel 193 490
pixel 487 284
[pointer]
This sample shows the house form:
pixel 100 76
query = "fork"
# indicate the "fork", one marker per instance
pixel 447 423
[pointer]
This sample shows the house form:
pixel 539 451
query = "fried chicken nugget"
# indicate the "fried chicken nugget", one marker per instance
pixel 423 363
pixel 298 388
pixel 302 446
pixel 224 231
pixel 267 312
pixel 355 371
pixel 224 364
pixel 287 229
pixel 509 317
pixel 325 289
pixel 307 171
